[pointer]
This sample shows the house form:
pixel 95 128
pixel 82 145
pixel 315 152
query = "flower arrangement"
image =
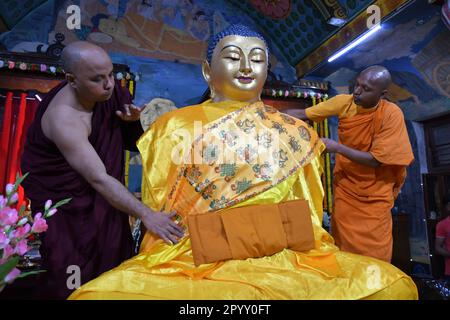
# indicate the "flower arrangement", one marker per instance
pixel 17 227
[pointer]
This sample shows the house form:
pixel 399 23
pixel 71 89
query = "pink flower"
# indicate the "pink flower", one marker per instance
pixel 8 216
pixel 8 251
pixel 9 189
pixel 39 224
pixel 10 277
pixel 14 198
pixel 2 202
pixel 21 247
pixel 22 221
pixel 51 212
pixel 4 240
pixel 48 204
pixel 21 232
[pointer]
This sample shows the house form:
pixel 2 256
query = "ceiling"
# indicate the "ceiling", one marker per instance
pixel 301 26
pixel 297 28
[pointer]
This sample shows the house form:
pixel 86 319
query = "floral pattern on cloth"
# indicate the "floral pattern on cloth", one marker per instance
pixel 242 154
pixel 304 133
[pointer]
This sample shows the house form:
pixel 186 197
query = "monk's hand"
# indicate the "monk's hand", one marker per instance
pixel 332 146
pixel 132 113
pixel 162 225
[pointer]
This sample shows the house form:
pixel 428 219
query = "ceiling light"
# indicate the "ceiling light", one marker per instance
pixel 355 43
pixel 338 22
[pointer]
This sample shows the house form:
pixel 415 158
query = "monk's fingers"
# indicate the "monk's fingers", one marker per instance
pixel 127 109
pixel 176 230
pixel 162 233
pixel 172 214
pixel 134 108
pixel 331 145
pixel 120 114
pixel 173 239
pixel 135 115
pixel 326 142
pixel 175 224
pixel 168 237
pixel 164 238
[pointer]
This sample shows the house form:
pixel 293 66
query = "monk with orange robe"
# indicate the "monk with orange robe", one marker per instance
pixel 371 159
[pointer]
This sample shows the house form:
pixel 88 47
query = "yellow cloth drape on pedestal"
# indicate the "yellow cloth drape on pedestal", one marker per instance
pixel 162 271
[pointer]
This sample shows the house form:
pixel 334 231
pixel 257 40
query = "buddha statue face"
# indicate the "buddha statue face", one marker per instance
pixel 238 69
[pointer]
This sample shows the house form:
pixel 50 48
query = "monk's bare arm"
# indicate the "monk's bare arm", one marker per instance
pixel 440 247
pixel 296 113
pixel 361 157
pixel 325 109
pixel 70 135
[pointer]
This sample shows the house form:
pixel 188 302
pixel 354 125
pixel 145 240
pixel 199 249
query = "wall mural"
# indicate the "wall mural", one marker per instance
pixel 145 34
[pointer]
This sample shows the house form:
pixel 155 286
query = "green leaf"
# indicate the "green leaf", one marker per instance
pixel 21 210
pixel 60 203
pixel 19 180
pixel 28 273
pixel 8 266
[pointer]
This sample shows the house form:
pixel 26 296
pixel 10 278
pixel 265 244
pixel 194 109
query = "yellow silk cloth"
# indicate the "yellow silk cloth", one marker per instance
pixel 163 271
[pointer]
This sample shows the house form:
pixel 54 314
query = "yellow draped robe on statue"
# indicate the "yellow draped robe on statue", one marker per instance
pixel 162 271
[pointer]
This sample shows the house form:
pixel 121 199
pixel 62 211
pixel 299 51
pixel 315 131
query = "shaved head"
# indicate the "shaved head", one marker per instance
pixel 379 75
pixel 371 85
pixel 89 71
pixel 79 53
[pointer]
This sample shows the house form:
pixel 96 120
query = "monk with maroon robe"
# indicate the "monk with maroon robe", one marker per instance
pixel 371 159
pixel 74 149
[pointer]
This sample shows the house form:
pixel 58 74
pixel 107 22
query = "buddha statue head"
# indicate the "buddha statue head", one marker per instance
pixel 236 64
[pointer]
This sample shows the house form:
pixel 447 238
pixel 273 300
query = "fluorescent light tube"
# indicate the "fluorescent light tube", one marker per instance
pixel 355 43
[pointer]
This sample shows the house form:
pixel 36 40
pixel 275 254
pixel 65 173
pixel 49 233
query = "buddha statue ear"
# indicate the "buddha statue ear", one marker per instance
pixel 206 70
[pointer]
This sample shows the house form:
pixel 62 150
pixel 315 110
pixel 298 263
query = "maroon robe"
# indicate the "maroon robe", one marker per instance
pixel 87 232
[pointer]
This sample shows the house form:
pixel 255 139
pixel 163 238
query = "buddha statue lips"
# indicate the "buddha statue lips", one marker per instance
pixel 245 80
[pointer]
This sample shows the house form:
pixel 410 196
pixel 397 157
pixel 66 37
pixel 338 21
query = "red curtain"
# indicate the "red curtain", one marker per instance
pixel 18 113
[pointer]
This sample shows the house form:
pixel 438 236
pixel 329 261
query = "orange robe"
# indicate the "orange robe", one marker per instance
pixel 364 196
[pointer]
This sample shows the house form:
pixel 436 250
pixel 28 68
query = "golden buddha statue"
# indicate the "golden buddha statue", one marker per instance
pixel 252 205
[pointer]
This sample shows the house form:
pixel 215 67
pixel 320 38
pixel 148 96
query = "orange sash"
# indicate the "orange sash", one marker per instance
pixel 251 232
